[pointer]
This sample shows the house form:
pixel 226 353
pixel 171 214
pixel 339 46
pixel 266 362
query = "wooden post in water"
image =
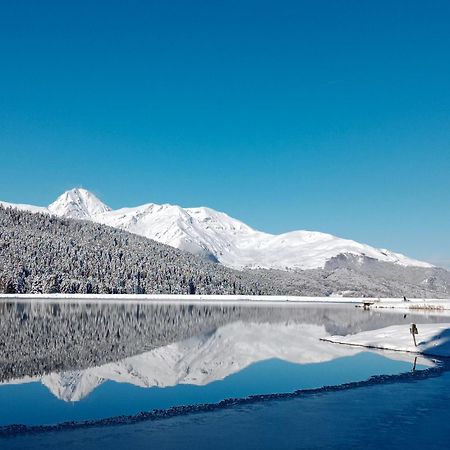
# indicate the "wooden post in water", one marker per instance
pixel 413 330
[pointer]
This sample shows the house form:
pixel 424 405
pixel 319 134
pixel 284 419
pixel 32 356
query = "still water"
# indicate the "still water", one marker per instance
pixel 101 364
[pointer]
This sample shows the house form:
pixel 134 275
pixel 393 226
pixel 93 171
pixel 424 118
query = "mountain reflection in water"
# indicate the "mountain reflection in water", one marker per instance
pixel 73 348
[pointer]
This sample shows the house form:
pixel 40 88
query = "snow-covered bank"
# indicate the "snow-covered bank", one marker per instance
pixel 416 304
pixel 432 339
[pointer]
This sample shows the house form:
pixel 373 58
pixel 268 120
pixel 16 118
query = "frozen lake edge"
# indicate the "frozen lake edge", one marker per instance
pixel 416 304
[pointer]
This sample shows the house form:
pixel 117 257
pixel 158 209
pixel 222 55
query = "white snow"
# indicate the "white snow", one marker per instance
pixel 432 339
pixel 235 244
pixel 20 207
pixel 212 233
pixel 417 305
pixel 77 203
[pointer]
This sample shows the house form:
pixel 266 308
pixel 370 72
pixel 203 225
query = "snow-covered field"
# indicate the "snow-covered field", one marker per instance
pixel 432 339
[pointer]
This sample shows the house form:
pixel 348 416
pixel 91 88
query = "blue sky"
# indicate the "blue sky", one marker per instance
pixel 322 115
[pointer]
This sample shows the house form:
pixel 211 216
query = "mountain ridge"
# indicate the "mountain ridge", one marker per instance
pixel 217 236
pixel 43 253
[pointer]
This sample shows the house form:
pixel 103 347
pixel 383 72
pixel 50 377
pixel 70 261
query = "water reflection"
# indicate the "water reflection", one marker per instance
pixel 40 338
pixel 202 359
pixel 101 353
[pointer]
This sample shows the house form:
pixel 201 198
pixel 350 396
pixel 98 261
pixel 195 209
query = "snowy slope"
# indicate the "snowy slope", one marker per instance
pixel 216 235
pixel 78 204
pixel 20 207
pixel 234 244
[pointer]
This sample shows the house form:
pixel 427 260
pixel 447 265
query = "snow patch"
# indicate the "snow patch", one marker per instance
pixel 432 339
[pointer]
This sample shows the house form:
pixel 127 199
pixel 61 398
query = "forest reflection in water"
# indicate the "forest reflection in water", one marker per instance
pixel 188 354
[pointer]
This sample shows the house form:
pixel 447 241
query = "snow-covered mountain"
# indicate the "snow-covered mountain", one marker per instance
pixel 216 235
pixel 78 204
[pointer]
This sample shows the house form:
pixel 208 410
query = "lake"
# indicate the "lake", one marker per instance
pixel 86 375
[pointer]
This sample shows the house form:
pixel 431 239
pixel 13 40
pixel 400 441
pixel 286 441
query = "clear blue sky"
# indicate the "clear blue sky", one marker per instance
pixel 322 115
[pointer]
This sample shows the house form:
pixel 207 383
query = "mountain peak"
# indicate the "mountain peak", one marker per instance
pixel 219 237
pixel 78 203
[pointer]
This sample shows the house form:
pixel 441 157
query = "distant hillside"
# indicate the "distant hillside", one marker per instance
pixel 40 253
pixel 215 235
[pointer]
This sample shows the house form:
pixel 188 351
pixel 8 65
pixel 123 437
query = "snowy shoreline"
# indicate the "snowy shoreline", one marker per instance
pixel 432 339
pixel 413 304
